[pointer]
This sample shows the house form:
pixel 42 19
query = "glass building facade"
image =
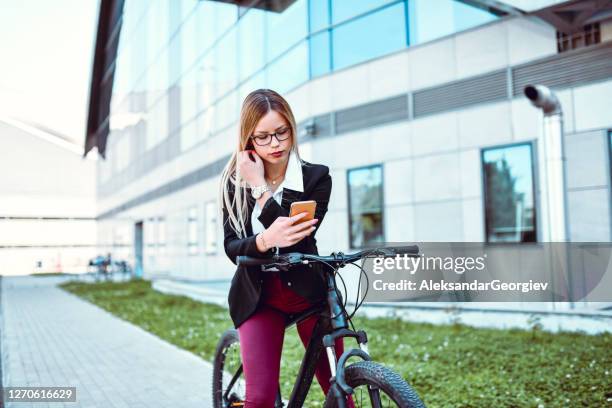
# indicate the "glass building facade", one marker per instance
pixel 183 67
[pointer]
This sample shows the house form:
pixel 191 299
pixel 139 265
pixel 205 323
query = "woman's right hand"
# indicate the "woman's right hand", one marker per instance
pixel 282 233
pixel 251 171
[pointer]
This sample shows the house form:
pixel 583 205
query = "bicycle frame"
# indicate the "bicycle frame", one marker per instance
pixel 322 337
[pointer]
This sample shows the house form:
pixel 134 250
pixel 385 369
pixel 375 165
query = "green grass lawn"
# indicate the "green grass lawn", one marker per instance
pixel 47 274
pixel 449 366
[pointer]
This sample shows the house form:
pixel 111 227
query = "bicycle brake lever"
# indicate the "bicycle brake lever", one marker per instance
pixel 286 261
pixel 293 258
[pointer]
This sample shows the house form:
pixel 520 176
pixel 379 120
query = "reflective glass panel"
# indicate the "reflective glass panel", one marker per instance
pixel 365 206
pixel 369 37
pixel 509 199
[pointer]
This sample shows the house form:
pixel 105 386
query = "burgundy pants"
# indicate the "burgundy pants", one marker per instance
pixel 261 343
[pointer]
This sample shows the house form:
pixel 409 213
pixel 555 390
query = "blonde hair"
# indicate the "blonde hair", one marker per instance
pixel 255 106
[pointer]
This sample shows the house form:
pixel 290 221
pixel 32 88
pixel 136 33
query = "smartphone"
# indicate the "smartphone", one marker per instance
pixel 251 153
pixel 298 207
pixel 251 150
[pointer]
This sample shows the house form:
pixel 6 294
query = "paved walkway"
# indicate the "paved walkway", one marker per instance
pixel 54 338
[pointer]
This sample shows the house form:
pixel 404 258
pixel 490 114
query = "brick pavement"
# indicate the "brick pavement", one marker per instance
pixel 53 338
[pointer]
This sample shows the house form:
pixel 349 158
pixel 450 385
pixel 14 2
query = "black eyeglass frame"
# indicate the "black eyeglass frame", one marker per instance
pixel 269 135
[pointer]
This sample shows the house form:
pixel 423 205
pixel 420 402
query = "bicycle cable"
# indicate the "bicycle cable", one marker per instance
pixel 358 303
pixel 363 273
pixel 345 300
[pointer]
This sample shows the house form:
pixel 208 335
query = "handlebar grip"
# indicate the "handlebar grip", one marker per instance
pixel 242 260
pixel 409 250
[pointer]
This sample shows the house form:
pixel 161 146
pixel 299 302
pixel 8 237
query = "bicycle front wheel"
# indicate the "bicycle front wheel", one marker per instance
pixel 228 385
pixel 377 386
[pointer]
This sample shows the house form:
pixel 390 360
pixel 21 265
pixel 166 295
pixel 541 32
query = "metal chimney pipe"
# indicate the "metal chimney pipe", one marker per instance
pixel 552 164
pixel 552 182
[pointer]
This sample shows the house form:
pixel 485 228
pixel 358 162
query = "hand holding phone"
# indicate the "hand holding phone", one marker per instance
pixel 287 231
pixel 308 207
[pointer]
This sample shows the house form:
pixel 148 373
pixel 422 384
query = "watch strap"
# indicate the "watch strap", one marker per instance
pixel 257 191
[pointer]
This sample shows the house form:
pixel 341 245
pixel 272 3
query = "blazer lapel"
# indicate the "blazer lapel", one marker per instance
pixel 250 206
pixel 289 196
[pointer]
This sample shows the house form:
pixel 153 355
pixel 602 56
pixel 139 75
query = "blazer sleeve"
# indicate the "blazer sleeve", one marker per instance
pixel 235 246
pixel 321 194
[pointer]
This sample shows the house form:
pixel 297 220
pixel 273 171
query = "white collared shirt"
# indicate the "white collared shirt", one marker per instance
pixel 293 180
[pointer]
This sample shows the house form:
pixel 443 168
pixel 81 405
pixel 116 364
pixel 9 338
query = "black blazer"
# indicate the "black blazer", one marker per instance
pixel 309 280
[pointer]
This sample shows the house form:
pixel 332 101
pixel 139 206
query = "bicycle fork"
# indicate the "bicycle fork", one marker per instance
pixel 331 356
pixel 339 387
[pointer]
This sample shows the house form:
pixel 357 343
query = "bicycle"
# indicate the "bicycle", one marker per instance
pixel 383 386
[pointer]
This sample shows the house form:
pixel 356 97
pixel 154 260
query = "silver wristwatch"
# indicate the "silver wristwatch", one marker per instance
pixel 257 191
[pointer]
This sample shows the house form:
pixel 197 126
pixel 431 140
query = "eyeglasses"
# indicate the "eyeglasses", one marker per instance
pixel 264 140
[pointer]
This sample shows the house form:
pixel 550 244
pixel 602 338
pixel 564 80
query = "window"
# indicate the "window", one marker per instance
pixel 189 42
pixel 290 70
pixel 345 9
pixel 157 123
pixel 161 236
pixel 251 37
pixel 509 194
pixel 285 29
pixel 210 211
pixel 149 239
pixel 226 63
pixel 156 39
pixel 122 151
pixel 372 36
pixel 365 196
pixel 189 95
pixel 610 151
pixel 255 82
pixel 319 54
pixel 589 35
pixel 213 19
pixel 192 231
pixel 429 20
pixel 319 14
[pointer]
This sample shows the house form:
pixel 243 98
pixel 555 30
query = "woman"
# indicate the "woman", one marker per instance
pixel 263 177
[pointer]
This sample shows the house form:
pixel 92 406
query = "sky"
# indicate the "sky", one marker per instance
pixel 46 52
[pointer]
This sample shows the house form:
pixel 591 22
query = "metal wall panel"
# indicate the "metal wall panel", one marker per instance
pixel 481 89
pixel 372 114
pixel 567 69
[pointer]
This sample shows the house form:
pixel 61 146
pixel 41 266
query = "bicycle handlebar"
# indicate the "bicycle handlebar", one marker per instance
pixel 284 261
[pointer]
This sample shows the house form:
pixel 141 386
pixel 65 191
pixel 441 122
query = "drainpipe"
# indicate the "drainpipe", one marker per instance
pixel 552 174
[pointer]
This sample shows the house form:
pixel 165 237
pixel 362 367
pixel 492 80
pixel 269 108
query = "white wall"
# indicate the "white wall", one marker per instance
pixel 43 186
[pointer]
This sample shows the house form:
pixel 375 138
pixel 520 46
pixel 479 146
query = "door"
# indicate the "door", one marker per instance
pixel 138 267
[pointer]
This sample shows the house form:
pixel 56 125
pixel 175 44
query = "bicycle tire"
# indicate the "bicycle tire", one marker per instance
pixel 371 373
pixel 228 338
